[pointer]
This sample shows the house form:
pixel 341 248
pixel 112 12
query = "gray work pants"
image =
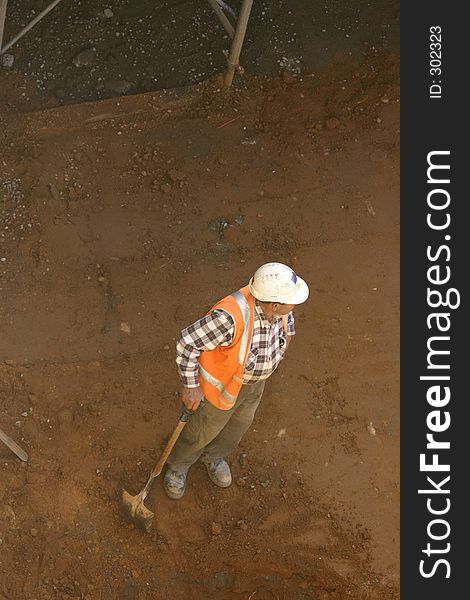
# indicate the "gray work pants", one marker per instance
pixel 214 431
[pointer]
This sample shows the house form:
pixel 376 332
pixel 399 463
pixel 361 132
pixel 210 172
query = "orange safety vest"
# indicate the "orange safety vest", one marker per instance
pixel 221 369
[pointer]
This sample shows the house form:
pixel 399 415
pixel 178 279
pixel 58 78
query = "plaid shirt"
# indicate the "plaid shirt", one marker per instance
pixel 267 349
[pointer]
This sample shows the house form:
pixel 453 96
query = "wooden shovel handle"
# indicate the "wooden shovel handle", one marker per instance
pixel 168 448
pixel 185 416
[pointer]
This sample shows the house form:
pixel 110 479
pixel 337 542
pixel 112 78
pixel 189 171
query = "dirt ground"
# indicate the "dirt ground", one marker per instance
pixel 89 49
pixel 121 221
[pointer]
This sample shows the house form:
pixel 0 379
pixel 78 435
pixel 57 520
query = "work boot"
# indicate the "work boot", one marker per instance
pixel 174 483
pixel 219 472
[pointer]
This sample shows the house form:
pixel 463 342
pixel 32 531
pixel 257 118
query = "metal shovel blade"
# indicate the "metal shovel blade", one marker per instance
pixel 135 510
pixel 133 507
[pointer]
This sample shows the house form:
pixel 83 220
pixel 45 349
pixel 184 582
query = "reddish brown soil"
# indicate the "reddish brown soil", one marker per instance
pixel 108 217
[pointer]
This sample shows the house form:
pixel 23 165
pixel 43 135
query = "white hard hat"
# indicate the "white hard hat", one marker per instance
pixel 275 282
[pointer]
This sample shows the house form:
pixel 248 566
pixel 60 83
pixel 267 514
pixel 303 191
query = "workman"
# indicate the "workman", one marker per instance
pixel 225 358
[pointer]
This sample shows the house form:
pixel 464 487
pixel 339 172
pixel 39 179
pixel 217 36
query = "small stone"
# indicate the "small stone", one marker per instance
pixel 371 429
pixel 242 459
pixel 216 528
pixel 241 524
pixel 165 188
pixel 332 123
pixel 385 99
pixel 125 328
pixel 166 347
pixel 102 279
pixel 241 482
pixel 175 175
pixel 239 220
pixel 7 60
pixel 108 13
pixel 370 208
pixel 33 532
pixel 85 58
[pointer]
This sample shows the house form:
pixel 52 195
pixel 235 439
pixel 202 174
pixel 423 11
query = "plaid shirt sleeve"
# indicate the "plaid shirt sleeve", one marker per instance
pixel 290 324
pixel 215 329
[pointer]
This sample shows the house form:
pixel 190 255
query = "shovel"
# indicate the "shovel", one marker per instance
pixel 133 507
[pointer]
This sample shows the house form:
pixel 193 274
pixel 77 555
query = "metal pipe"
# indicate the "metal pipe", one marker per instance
pixel 227 8
pixel 240 31
pixel 30 25
pixel 222 18
pixel 3 14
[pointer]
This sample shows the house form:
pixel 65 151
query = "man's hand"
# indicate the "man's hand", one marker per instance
pixel 192 397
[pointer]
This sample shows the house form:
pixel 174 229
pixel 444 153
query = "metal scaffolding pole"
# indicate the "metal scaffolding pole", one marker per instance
pixel 237 34
pixel 3 14
pixel 240 31
pixel 222 18
pixel 228 9
pixel 29 26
